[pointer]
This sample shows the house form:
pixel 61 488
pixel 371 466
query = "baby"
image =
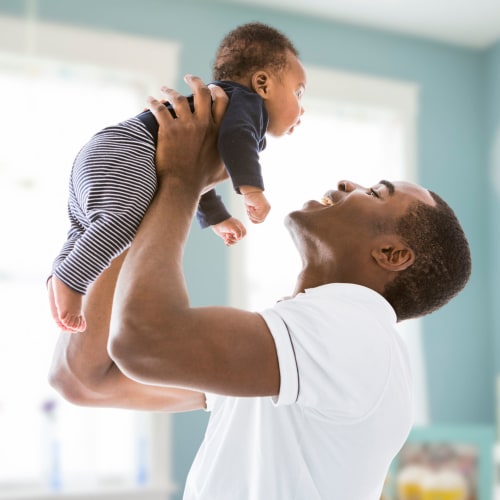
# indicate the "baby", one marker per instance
pixel 113 178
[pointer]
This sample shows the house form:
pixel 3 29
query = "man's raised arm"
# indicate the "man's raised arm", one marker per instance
pixel 156 337
pixel 84 373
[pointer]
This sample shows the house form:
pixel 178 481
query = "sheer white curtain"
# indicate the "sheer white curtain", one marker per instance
pixel 354 127
pixel 50 107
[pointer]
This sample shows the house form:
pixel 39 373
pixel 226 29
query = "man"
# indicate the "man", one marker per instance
pixel 310 399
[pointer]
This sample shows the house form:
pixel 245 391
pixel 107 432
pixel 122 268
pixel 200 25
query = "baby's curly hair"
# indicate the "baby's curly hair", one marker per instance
pixel 250 47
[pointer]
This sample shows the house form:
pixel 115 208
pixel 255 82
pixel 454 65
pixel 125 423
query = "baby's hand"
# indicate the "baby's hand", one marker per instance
pixel 230 230
pixel 256 205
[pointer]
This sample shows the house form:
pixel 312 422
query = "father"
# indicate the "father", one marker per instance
pixel 310 399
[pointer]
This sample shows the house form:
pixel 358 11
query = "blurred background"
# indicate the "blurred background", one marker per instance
pixel 406 89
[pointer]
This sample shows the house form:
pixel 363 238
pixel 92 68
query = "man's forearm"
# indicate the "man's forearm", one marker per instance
pixel 147 273
pixel 151 294
pixel 81 366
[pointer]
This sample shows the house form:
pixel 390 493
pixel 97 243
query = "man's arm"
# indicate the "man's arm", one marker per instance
pixel 83 372
pixel 156 337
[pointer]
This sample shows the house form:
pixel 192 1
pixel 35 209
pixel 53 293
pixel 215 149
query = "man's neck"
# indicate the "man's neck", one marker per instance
pixel 311 277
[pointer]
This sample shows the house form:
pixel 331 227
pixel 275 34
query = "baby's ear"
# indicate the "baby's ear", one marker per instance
pixel 393 255
pixel 260 83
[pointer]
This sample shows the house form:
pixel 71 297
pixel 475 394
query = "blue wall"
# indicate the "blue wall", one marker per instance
pixel 493 93
pixel 458 116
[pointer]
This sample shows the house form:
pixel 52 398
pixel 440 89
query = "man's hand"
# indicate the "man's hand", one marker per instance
pixel 197 162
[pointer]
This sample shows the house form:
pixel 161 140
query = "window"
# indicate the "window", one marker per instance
pixel 355 127
pixel 57 90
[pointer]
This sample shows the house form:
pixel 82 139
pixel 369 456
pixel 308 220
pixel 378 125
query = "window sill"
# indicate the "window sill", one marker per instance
pixel 91 494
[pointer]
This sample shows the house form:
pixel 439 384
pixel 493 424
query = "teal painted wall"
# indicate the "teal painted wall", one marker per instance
pixel 458 116
pixel 493 93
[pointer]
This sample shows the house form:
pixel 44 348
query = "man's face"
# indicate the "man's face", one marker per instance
pixel 352 213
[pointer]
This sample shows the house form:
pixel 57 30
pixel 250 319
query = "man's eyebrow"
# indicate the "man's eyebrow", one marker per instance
pixel 389 185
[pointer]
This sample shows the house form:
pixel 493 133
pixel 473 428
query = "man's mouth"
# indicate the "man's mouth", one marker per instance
pixel 327 199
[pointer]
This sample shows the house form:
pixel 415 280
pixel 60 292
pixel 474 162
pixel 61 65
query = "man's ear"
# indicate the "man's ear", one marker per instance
pixel 260 83
pixel 393 255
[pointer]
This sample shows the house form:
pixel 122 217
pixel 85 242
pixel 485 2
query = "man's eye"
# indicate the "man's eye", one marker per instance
pixel 374 193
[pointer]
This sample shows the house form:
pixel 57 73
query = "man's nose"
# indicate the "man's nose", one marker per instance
pixel 347 186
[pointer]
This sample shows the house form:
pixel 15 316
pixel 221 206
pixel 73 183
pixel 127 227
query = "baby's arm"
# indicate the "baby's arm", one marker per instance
pixel 256 204
pixel 211 210
pixel 241 138
pixel 230 230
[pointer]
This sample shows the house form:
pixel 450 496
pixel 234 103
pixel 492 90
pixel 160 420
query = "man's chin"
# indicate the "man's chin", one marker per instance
pixel 297 215
pixel 312 205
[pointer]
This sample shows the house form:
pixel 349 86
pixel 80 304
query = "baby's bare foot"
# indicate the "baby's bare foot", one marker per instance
pixel 73 322
pixel 68 305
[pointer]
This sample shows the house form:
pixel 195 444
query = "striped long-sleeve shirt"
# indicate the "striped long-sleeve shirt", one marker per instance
pixel 112 183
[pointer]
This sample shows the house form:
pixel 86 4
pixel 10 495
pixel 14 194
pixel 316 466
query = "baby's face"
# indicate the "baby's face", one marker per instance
pixel 284 103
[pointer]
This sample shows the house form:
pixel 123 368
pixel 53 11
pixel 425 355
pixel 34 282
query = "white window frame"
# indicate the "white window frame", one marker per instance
pixel 346 88
pixel 340 89
pixel 152 63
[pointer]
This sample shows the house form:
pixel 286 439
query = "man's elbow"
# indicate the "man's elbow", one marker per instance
pixel 127 352
pixel 146 353
pixel 69 387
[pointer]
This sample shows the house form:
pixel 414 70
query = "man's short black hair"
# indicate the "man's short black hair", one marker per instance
pixel 442 264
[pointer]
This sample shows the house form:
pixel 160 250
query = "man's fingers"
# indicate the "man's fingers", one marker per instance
pixel 208 101
pixel 201 95
pixel 177 101
pixel 159 110
pixel 219 103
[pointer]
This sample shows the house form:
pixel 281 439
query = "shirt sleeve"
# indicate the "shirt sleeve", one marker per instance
pixel 211 210
pixel 210 399
pixel 333 352
pixel 289 380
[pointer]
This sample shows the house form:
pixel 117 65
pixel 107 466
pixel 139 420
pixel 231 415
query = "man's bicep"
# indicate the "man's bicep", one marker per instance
pixel 220 350
pixel 239 355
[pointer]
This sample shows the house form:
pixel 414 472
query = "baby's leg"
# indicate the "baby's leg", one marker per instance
pixel 66 306
pixel 52 303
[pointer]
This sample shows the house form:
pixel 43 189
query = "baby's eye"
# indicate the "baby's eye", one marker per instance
pixel 300 93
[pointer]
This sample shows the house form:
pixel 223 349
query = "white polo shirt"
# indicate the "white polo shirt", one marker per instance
pixel 343 412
